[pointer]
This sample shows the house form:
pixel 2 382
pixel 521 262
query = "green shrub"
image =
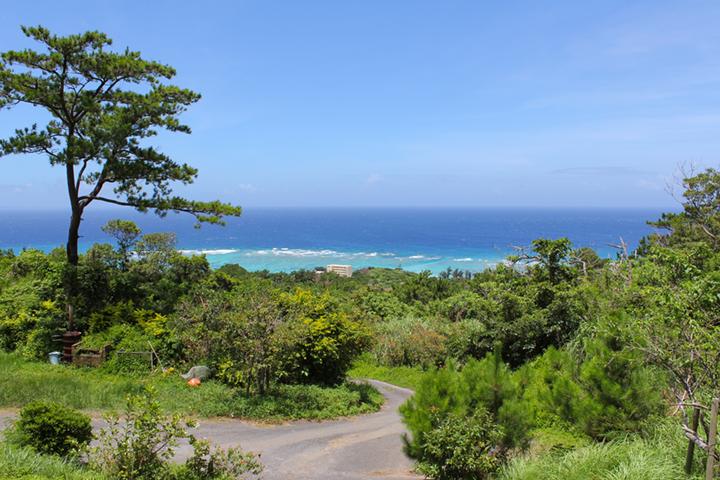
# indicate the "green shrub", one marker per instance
pixel 383 306
pixel 555 440
pixel 365 367
pixel 23 463
pixel 32 262
pixel 409 341
pixel 621 393
pixel 211 464
pixel 139 444
pixel 150 331
pixel 52 428
pixel 307 402
pixel 423 288
pixel 484 386
pixel 469 338
pixel 550 388
pixel 659 455
pixel 489 384
pixel 258 337
pixel 96 389
pixel 15 329
pixel 438 395
pixel 28 324
pixel 467 305
pixel 320 341
pixel 461 448
pixel 49 321
pixel 603 389
pixel 116 314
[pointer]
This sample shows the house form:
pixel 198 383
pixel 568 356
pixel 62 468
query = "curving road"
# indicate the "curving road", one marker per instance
pixel 362 447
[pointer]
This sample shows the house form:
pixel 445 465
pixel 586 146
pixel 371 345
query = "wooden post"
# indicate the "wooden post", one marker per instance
pixel 710 467
pixel 157 357
pixel 691 444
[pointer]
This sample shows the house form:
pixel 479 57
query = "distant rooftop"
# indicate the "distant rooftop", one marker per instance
pixel 342 270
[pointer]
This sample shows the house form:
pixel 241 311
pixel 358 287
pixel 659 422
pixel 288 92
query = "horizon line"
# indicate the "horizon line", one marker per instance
pixel 355 207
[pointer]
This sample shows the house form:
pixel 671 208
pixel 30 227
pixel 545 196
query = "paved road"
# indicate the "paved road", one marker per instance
pixel 362 447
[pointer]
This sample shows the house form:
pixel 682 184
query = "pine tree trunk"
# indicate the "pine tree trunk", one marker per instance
pixel 72 245
pixel 72 259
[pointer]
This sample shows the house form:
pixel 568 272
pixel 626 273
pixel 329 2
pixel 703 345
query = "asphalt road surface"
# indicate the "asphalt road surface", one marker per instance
pixel 362 447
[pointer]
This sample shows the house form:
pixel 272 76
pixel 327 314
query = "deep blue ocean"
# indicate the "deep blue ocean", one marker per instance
pixel 416 239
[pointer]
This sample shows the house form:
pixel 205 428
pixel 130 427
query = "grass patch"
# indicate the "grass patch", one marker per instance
pixel 553 440
pixel 655 456
pixel 25 464
pixel 90 389
pixel 74 387
pixel 310 402
pixel 408 377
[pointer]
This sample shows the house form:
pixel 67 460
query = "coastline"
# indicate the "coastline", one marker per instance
pixel 415 239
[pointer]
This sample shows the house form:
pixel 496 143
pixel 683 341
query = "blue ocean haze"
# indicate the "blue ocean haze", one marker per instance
pixel 416 239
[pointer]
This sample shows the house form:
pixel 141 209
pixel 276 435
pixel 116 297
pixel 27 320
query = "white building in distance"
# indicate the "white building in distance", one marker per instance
pixel 342 270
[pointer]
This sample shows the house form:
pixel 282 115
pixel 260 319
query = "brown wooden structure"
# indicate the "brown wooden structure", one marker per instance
pixel 68 341
pixel 89 357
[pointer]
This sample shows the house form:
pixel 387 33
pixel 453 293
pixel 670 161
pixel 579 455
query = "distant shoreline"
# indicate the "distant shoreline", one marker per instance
pixel 415 239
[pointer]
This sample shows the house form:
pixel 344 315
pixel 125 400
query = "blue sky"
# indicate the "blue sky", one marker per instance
pixel 372 103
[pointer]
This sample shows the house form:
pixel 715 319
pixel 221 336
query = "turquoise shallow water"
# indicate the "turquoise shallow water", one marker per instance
pixel 412 238
pixel 287 259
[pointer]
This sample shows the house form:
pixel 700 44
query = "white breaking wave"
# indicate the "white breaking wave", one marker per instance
pixel 216 251
pixel 309 253
pixel 421 257
pixel 302 252
pixel 295 252
pixel 466 259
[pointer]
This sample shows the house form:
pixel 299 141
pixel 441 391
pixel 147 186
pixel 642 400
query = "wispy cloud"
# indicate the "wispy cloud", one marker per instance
pixel 657 184
pixel 637 31
pixel 600 170
pixel 604 98
pixel 15 188
pixel 374 179
pixel 246 187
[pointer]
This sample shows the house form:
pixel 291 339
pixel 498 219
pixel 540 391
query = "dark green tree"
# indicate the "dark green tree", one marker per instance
pixel 553 258
pixel 549 259
pixel 157 243
pixel 699 220
pixel 126 234
pixel 103 106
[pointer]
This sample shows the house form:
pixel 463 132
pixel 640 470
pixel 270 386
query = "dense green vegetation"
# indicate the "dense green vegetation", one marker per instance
pixel 659 453
pixel 555 361
pixel 99 390
pixel 52 428
pixel 23 463
pixel 274 344
pixel 595 352
pixel 408 377
pixel 555 364
pixel 100 108
pixel 53 441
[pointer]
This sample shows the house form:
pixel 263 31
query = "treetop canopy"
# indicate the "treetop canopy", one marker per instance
pixel 103 105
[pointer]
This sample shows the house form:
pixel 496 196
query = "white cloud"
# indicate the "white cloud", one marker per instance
pixel 15 188
pixel 374 179
pixel 246 187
